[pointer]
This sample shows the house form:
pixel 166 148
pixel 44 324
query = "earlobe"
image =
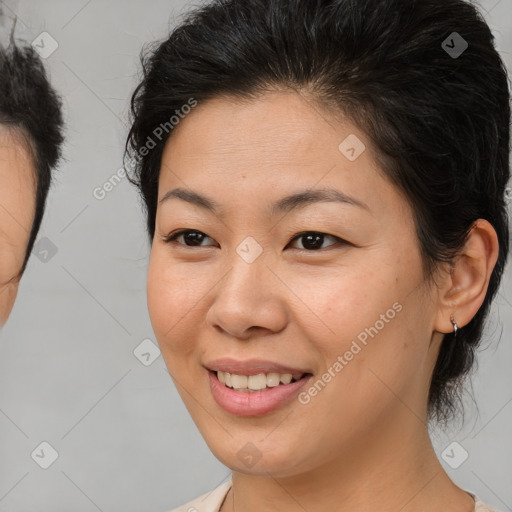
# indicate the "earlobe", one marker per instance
pixel 465 286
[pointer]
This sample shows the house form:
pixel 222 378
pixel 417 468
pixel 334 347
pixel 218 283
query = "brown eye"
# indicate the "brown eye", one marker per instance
pixel 313 240
pixel 191 237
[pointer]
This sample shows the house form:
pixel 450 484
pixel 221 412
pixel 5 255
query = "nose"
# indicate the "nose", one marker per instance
pixel 249 300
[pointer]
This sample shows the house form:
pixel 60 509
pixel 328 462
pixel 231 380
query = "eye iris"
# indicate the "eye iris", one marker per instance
pixel 313 240
pixel 193 236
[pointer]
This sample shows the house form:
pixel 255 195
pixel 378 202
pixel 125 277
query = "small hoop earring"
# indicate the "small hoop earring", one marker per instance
pixel 455 326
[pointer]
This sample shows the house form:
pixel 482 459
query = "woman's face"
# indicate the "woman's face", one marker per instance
pixel 345 304
pixel 17 207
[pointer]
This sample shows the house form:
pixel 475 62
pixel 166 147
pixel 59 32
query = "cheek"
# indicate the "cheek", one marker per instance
pixel 174 294
pixel 337 305
pixel 12 254
pixel 7 297
pixel 13 244
pixel 367 322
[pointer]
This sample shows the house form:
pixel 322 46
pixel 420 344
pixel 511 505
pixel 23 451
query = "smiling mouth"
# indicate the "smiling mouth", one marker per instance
pixel 257 383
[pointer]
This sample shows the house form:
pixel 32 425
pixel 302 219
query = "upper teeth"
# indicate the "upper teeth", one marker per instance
pixel 256 382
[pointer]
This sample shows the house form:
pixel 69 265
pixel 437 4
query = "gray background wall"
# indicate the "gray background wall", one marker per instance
pixel 68 374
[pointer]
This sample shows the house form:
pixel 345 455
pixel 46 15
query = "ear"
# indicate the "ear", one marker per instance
pixel 462 290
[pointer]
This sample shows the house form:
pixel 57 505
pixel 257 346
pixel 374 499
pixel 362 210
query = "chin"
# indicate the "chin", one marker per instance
pixel 252 457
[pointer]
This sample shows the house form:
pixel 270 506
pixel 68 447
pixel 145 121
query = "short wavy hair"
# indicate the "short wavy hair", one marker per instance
pixel 440 122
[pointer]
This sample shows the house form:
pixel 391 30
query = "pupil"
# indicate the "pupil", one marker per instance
pixel 316 244
pixel 193 236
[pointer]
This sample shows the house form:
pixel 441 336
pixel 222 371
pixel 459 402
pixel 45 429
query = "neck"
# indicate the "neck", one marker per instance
pixel 393 467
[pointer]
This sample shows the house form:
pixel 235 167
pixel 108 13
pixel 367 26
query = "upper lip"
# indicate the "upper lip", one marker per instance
pixel 251 367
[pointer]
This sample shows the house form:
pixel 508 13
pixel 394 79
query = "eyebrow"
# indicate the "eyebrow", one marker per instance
pixel 283 205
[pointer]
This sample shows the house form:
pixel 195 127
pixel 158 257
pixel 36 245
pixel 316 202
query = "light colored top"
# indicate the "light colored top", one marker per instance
pixel 212 501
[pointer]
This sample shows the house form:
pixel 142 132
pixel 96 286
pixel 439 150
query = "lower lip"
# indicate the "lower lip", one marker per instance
pixel 257 403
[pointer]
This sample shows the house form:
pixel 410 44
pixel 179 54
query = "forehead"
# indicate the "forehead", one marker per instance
pixel 15 151
pixel 270 146
pixel 15 146
pixel 276 126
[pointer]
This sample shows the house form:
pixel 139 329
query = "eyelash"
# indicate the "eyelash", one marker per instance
pixel 171 238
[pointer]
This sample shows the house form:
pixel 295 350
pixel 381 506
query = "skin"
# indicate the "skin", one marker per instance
pixel 17 208
pixel 361 443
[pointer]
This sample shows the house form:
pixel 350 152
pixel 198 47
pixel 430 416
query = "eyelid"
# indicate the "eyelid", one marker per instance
pixel 171 237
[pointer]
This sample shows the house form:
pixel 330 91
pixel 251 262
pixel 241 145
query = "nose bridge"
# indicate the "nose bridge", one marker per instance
pixel 246 296
pixel 248 268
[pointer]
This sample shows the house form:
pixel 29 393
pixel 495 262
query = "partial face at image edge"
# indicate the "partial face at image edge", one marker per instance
pixel 17 208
